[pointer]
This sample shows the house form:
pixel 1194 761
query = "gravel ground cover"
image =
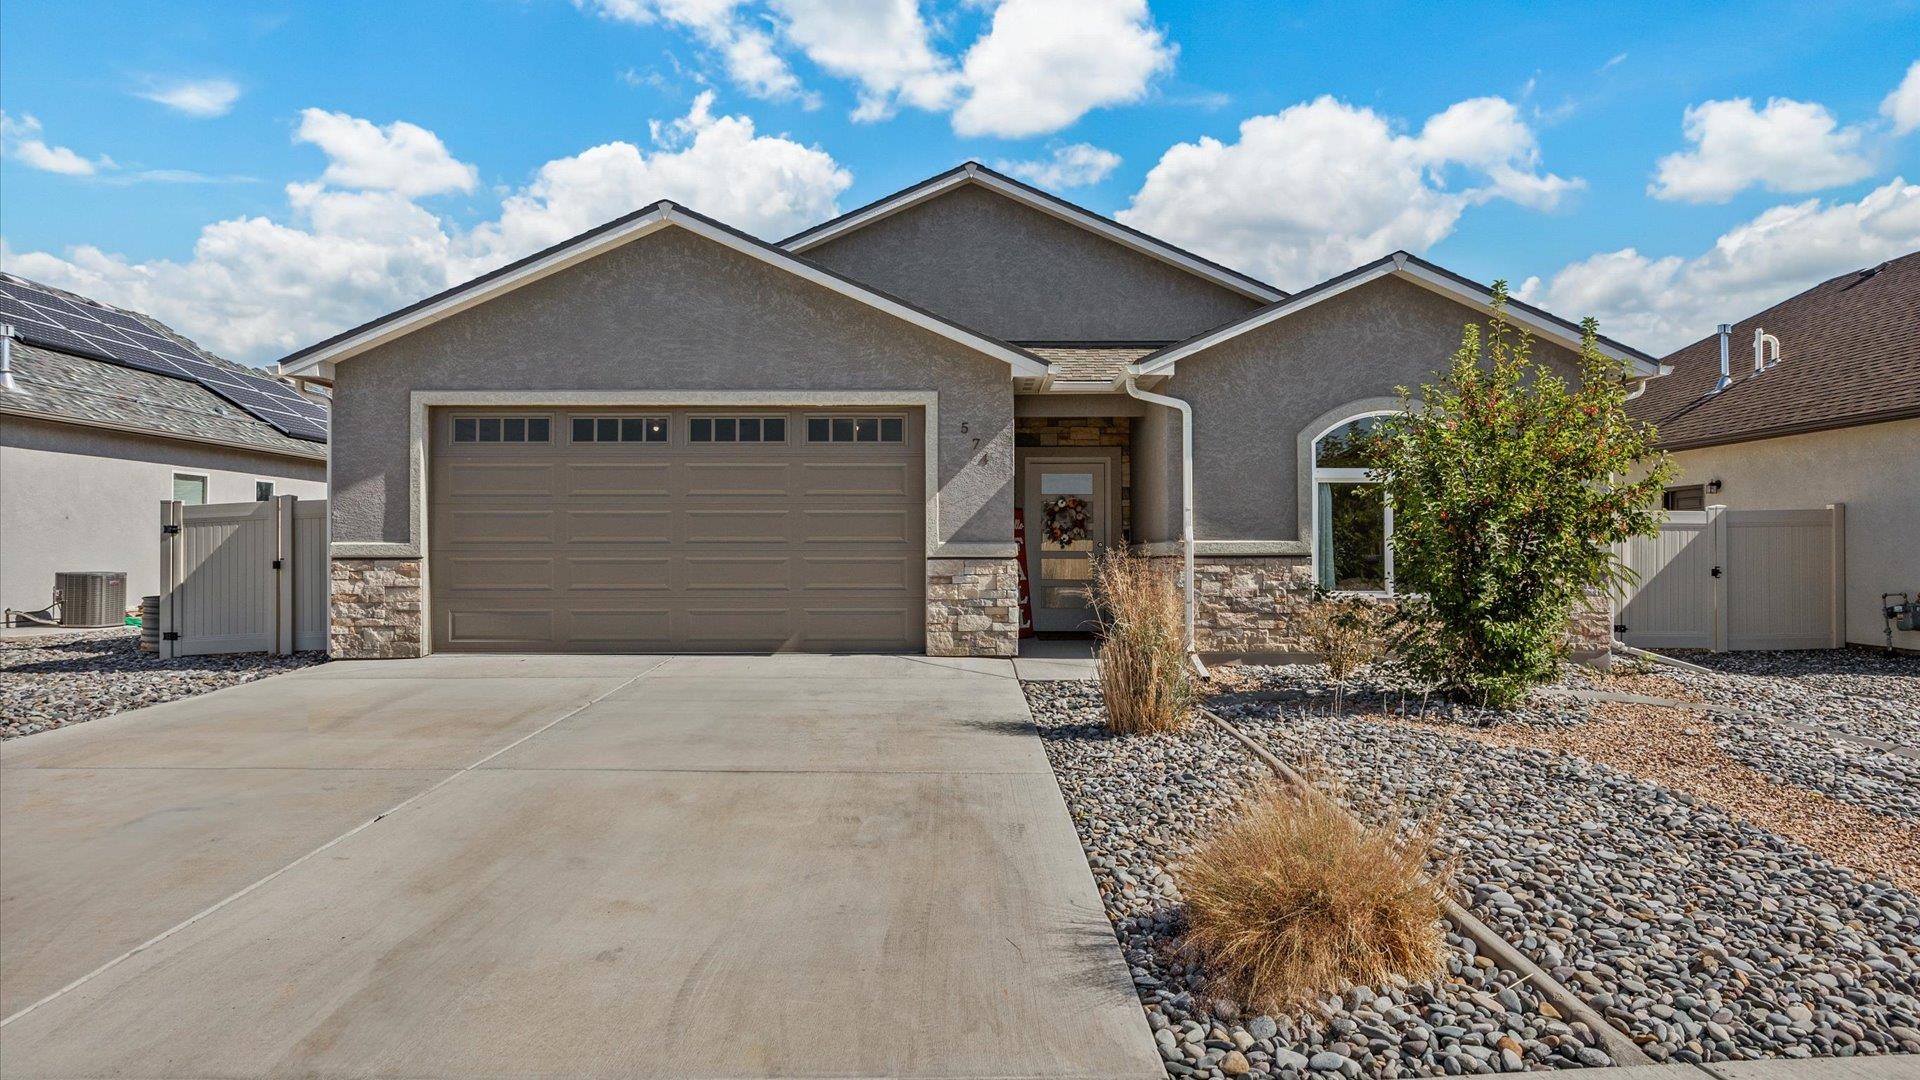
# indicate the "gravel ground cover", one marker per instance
pixel 1139 802
pixel 1706 938
pixel 53 681
pixel 1856 691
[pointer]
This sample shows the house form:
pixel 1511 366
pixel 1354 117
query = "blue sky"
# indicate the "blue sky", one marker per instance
pixel 262 174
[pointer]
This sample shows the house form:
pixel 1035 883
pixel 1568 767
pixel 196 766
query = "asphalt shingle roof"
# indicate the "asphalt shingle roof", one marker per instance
pixel 1849 354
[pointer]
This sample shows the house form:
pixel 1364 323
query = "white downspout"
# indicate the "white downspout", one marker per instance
pixel 6 358
pixel 1186 508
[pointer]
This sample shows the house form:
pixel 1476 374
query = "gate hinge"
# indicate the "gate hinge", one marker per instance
pixel 170 635
pixel 1716 571
pixel 1619 628
pixel 170 530
pixel 276 564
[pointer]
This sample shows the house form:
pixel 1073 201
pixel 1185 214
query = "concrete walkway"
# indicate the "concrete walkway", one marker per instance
pixel 579 866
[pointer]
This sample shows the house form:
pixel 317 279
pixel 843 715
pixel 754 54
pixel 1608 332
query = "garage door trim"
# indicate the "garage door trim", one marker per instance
pixel 420 438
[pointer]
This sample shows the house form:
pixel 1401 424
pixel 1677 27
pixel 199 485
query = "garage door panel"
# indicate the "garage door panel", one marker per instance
pixel 676 546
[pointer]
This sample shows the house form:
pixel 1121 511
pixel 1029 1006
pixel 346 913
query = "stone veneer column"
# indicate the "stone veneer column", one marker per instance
pixel 973 607
pixel 1246 604
pixel 376 609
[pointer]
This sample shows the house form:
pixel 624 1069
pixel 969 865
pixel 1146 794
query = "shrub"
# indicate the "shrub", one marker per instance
pixel 1508 506
pixel 1143 652
pixel 1347 632
pixel 1294 901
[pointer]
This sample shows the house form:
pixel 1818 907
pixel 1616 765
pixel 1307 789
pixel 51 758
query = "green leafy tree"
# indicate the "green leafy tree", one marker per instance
pixel 1511 490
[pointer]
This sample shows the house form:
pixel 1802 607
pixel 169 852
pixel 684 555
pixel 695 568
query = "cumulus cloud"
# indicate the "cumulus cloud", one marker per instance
pixel 1067 167
pixel 1040 65
pixel 1324 186
pixel 400 157
pixel 1903 105
pixel 349 248
pixel 200 98
pixel 1788 146
pixel 21 139
pixel 1662 303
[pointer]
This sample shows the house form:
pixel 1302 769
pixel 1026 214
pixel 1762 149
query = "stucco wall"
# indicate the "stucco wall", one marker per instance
pixel 1873 469
pixel 82 498
pixel 1254 395
pixel 1006 269
pixel 671 312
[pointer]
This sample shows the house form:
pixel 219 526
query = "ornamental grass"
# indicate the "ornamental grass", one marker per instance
pixel 1143 655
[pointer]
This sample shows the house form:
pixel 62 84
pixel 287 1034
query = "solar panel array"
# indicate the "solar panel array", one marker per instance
pixel 47 319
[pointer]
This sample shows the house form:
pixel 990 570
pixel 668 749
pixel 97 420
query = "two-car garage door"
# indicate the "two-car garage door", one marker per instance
pixel 699 530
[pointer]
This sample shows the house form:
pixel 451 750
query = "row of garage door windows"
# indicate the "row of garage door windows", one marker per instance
pixel 700 429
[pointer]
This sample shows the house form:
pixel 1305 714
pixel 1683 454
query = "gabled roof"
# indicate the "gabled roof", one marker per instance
pixel 316 360
pixel 1408 267
pixel 973 172
pixel 1849 355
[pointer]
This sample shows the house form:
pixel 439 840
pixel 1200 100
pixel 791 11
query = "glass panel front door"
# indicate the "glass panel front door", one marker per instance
pixel 1066 507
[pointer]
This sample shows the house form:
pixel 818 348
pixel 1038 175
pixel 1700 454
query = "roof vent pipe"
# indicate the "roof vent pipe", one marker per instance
pixel 1726 358
pixel 1762 339
pixel 6 359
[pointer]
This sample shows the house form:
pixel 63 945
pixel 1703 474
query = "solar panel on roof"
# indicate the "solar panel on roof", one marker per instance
pixel 42 318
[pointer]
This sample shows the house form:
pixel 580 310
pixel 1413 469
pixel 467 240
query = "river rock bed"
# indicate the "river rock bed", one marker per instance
pixel 1138 802
pixel 1707 939
pixel 55 680
pixel 1861 692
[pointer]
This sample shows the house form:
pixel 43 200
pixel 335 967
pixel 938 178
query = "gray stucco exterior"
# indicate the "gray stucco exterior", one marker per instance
pixel 1008 270
pixel 1255 395
pixel 674 312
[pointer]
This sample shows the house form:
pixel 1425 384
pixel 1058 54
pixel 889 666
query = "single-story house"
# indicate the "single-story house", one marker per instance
pixel 664 434
pixel 1820 404
pixel 104 414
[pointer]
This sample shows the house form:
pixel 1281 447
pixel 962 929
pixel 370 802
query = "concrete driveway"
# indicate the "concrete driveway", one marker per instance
pixel 559 866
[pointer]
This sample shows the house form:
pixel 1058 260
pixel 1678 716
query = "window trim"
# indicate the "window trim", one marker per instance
pixel 206 487
pixel 273 489
pixel 1701 489
pixel 1315 476
pixel 572 417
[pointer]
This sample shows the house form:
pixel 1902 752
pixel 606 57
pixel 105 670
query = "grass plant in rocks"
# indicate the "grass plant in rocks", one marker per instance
pixel 1144 676
pixel 1508 507
pixel 1143 805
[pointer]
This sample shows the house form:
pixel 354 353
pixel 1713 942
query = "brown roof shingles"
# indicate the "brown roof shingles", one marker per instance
pixel 1849 354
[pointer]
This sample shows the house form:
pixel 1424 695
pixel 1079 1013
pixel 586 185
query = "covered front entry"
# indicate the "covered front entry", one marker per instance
pixel 730 529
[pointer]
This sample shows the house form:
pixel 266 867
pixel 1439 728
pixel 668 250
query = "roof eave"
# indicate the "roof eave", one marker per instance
pixel 318 453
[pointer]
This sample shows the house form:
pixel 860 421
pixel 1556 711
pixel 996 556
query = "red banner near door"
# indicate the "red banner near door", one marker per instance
pixel 1026 597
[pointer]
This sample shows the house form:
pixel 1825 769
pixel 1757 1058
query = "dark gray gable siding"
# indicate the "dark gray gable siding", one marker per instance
pixel 1007 270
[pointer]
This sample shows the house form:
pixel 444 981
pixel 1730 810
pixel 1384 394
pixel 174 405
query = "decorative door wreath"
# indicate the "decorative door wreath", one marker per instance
pixel 1066 519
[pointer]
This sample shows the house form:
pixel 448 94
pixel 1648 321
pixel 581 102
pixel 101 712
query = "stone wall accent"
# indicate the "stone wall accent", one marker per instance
pixel 1073 431
pixel 973 607
pixel 376 609
pixel 1243 605
pixel 1590 630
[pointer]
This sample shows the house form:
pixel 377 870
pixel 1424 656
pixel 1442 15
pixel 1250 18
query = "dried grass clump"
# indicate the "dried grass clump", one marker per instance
pixel 1347 632
pixel 1143 652
pixel 1294 901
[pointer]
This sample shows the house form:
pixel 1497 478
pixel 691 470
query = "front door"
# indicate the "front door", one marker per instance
pixel 1068 515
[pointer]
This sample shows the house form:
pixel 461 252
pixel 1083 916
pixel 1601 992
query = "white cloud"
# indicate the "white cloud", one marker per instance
pixel 1324 186
pixel 21 141
pixel 1660 304
pixel 1040 66
pixel 1903 105
pixel 400 157
pixel 1046 63
pixel 200 98
pixel 1789 146
pixel 1068 167
pixel 348 250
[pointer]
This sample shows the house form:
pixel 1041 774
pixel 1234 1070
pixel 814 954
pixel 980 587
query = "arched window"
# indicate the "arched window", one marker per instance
pixel 1352 521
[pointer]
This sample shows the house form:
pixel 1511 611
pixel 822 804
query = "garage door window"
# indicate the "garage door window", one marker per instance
pixel 737 429
pixel 620 429
pixel 501 429
pixel 846 429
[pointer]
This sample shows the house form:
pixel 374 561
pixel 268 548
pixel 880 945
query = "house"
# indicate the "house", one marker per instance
pixel 105 413
pixel 665 434
pixel 1820 404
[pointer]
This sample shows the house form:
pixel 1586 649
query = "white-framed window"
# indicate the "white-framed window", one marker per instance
pixel 1687 497
pixel 263 491
pixel 1352 519
pixel 846 429
pixel 620 429
pixel 190 488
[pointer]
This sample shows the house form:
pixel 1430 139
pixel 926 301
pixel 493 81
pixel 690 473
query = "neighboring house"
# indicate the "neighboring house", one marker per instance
pixel 104 414
pixel 666 434
pixel 1829 412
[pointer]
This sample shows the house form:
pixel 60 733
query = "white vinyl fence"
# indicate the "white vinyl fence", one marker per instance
pixel 1735 580
pixel 243 577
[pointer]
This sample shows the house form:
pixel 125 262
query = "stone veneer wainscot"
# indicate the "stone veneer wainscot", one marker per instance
pixel 973 607
pixel 376 609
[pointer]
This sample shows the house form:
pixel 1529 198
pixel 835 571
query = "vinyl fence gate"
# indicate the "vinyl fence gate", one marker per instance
pixel 1734 580
pixel 243 577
